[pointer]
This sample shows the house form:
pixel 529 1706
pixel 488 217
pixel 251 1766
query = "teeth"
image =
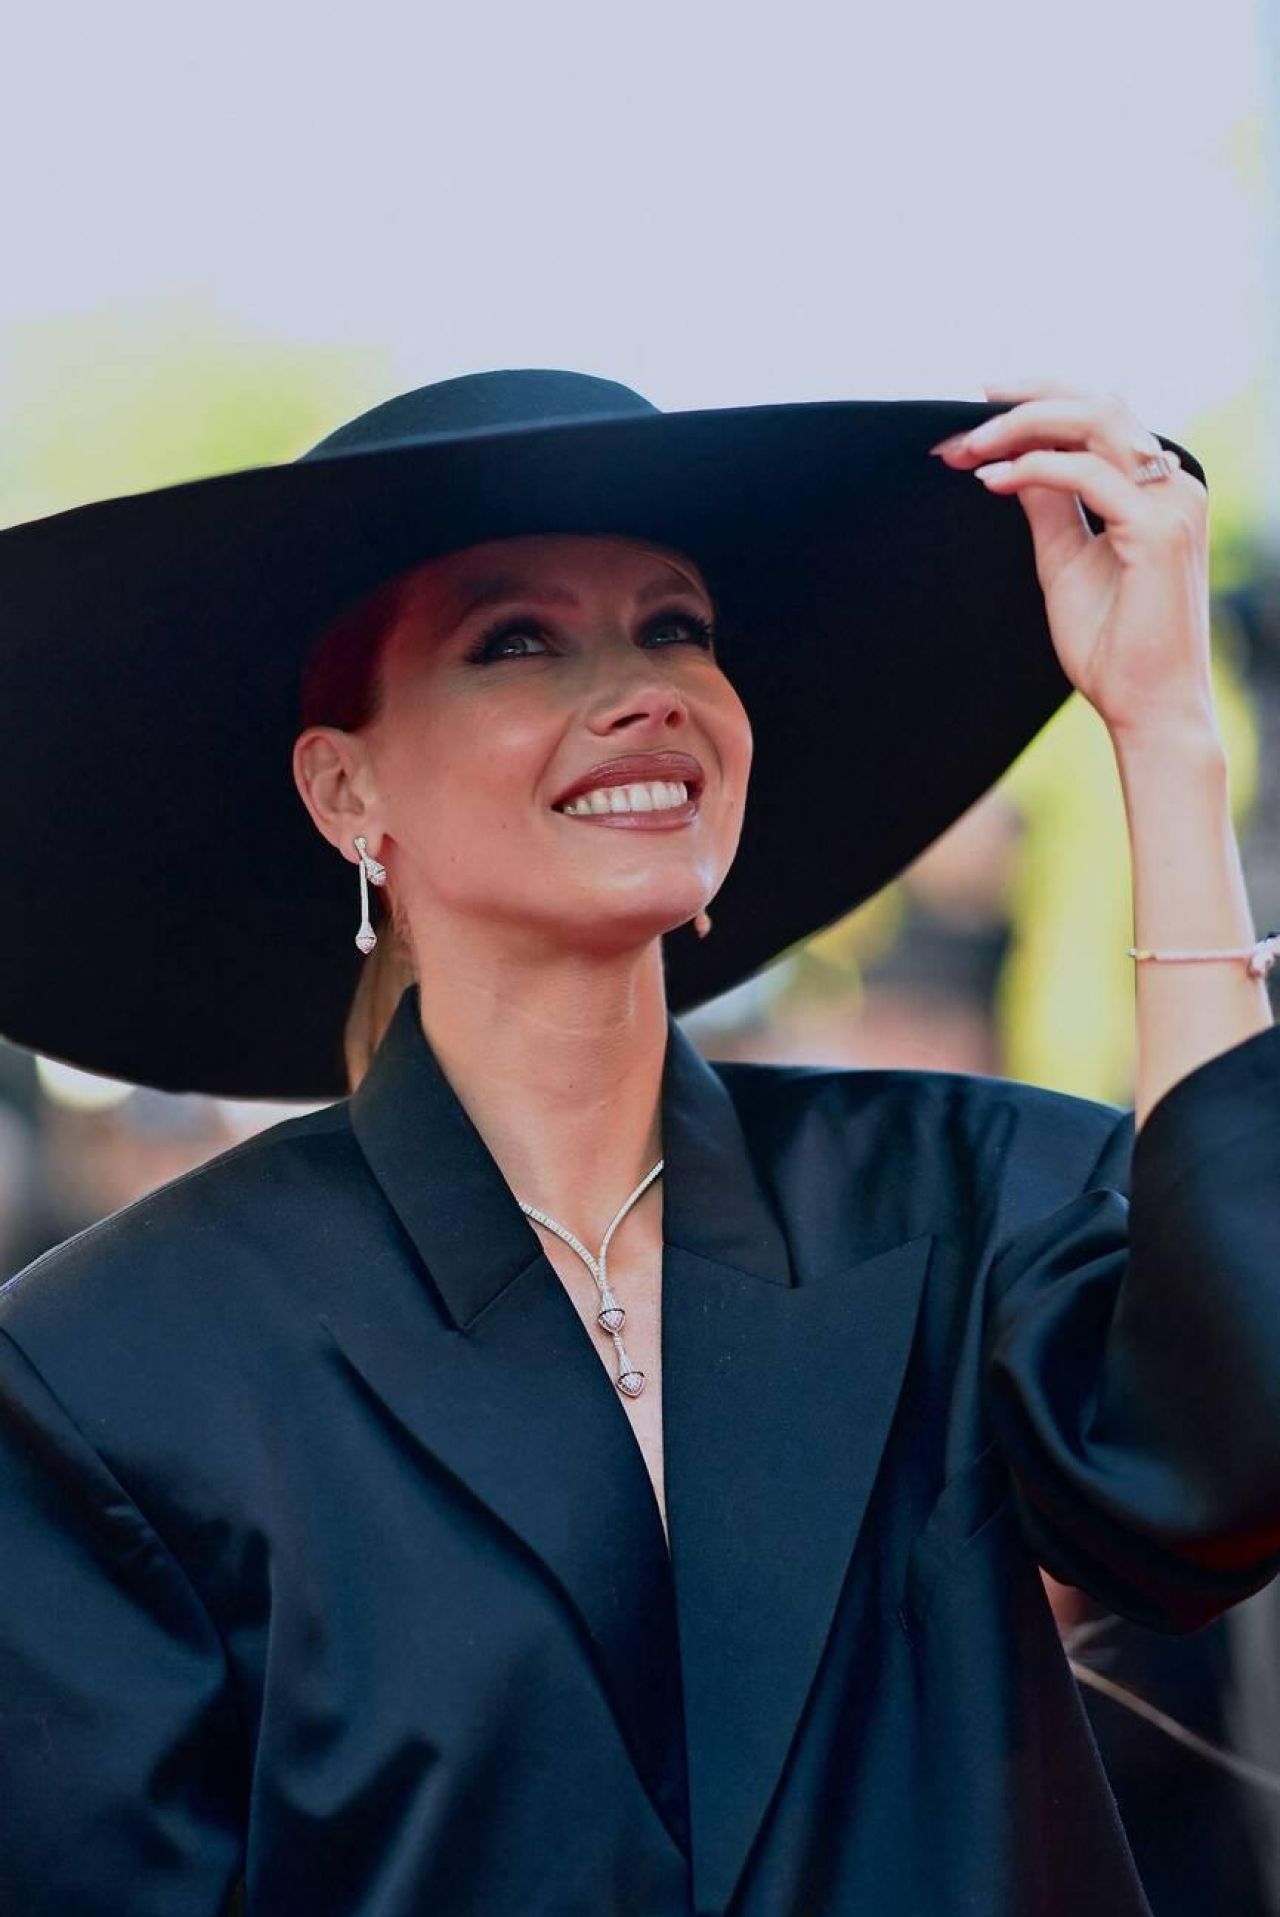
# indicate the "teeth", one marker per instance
pixel 657 795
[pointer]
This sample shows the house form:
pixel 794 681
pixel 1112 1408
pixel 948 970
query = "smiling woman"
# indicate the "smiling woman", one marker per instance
pixel 340 1558
pixel 465 690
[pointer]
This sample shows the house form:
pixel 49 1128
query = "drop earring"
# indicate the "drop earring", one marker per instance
pixel 702 924
pixel 366 937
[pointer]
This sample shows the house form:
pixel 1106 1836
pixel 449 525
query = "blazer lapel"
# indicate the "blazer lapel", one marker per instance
pixel 503 1388
pixel 778 1386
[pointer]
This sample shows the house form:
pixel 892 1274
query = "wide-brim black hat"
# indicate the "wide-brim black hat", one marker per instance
pixel 173 916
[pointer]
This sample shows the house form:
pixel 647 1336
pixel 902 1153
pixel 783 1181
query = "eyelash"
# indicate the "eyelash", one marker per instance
pixel 481 653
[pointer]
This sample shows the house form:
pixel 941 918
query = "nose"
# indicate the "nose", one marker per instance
pixel 648 699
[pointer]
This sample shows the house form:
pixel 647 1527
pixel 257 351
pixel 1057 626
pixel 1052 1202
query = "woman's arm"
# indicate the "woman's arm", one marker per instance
pixel 123 1759
pixel 1133 1353
pixel 1128 612
pixel 1188 893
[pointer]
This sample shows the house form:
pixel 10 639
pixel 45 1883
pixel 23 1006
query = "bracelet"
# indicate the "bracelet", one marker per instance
pixel 1261 956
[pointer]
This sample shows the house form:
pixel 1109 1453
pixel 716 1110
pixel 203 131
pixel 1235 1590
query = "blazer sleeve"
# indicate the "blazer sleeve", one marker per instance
pixel 120 1745
pixel 1132 1355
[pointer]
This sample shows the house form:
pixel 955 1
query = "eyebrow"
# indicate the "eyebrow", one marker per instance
pixel 493 591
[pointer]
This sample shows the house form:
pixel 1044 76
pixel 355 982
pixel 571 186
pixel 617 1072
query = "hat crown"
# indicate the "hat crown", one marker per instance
pixel 483 402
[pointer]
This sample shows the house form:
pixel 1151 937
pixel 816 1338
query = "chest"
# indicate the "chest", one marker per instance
pixel 635 1278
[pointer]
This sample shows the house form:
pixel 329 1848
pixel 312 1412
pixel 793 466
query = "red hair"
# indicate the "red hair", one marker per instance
pixel 340 679
pixel 341 686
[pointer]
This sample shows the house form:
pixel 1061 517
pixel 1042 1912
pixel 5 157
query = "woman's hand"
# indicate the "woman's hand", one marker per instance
pixel 1128 607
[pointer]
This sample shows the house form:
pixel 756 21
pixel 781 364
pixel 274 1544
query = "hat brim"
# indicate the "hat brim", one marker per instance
pixel 176 920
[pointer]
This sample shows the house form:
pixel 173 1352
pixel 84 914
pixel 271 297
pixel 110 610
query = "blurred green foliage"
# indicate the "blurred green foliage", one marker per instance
pixel 99 404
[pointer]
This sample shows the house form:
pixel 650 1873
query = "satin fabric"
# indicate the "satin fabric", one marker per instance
pixel 333 1581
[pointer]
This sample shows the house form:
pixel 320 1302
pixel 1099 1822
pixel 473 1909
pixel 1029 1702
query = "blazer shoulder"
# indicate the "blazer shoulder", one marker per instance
pixel 158 1257
pixel 927 1114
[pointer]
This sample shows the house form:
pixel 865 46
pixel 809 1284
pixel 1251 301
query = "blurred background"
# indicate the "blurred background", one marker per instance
pixel 226 230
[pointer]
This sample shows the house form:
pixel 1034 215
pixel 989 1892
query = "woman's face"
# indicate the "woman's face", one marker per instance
pixel 521 671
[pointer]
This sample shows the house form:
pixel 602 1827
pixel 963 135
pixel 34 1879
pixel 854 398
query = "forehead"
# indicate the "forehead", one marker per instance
pixel 583 560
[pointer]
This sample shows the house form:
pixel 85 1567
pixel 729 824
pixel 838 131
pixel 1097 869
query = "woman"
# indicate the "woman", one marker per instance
pixel 346 1579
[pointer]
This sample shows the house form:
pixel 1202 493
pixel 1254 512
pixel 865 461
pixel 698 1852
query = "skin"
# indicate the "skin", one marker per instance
pixel 537 936
pixel 1128 611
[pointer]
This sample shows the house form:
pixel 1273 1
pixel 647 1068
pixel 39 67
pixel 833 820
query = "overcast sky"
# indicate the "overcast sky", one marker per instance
pixel 715 201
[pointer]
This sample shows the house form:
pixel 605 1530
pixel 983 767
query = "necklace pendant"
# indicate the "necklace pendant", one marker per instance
pixel 611 1315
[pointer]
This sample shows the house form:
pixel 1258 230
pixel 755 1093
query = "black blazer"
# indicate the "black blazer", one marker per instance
pixel 330 1561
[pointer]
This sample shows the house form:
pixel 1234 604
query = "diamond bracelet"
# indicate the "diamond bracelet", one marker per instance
pixel 1261 957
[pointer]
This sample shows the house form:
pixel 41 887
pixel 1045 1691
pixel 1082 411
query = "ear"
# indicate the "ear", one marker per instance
pixel 335 781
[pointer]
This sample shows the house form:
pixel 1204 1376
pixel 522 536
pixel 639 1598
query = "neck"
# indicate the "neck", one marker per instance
pixel 559 1068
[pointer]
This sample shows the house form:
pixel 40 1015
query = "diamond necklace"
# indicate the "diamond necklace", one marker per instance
pixel 611 1317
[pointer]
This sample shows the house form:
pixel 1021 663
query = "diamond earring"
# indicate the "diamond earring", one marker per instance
pixel 366 937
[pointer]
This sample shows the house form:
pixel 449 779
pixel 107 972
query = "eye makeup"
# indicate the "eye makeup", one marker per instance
pixel 515 625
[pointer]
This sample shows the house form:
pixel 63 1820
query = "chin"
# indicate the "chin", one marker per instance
pixel 630 929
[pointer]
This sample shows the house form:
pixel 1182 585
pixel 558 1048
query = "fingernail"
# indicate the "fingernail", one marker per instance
pixel 952 444
pixel 996 469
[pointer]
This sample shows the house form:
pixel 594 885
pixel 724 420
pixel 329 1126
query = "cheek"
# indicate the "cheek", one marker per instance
pixel 730 727
pixel 474 773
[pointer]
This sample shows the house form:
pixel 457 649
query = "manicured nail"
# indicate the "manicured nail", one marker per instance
pixel 953 444
pixel 997 469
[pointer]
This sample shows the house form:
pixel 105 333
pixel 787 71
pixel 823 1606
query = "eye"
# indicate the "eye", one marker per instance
pixel 496 642
pixel 492 642
pixel 689 624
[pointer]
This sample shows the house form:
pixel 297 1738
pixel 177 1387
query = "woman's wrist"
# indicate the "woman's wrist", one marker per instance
pixel 1191 740
pixel 1188 892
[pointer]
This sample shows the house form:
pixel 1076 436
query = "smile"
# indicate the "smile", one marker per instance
pixel 654 804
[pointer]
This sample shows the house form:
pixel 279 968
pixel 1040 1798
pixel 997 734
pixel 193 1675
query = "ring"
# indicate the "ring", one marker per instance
pixel 1160 465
